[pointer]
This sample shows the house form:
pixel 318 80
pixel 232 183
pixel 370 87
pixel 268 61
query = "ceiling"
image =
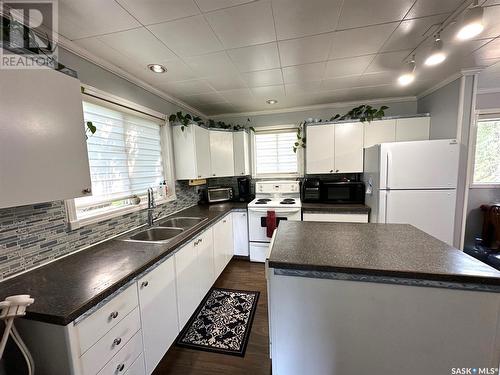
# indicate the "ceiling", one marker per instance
pixel 230 56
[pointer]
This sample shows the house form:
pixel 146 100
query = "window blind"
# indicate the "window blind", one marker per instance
pixel 124 155
pixel 274 153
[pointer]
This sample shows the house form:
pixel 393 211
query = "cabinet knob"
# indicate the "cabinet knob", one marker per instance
pixel 199 175
pixel 331 170
pixel 114 315
pixel 145 284
pixel 117 341
pixel 213 174
pixel 120 367
pixel 87 191
pixel 337 170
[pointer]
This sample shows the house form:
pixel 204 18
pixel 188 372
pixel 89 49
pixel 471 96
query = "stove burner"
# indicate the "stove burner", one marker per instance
pixel 260 202
pixel 263 200
pixel 287 202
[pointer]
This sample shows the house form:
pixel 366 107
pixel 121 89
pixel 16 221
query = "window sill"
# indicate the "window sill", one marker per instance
pixel 485 186
pixel 75 223
pixel 277 175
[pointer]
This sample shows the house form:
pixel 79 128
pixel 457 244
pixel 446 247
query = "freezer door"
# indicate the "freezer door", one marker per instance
pixel 371 178
pixel 432 211
pixel 419 165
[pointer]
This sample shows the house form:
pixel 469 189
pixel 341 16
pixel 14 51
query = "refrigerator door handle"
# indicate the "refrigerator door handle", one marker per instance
pixel 388 170
pixel 385 203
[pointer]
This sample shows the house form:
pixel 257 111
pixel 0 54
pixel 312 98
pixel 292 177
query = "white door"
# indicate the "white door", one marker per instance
pixel 228 238
pixel 432 211
pixel 419 165
pixel 377 132
pixel 157 301
pixel 412 129
pixel 223 243
pixel 241 151
pixel 202 141
pixel 206 272
pixel 221 153
pixel 320 150
pixel 188 285
pixel 240 229
pixel 349 148
pixel 185 153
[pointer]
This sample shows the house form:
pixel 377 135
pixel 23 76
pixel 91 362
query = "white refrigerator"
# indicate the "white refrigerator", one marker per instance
pixel 413 183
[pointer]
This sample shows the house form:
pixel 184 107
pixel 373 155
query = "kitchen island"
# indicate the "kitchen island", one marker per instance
pixel 378 299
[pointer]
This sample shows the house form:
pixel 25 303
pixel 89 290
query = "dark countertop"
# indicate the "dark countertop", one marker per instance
pixel 65 289
pixel 390 250
pixel 335 208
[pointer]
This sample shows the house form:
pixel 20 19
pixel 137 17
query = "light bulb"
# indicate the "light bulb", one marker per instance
pixel 406 79
pixel 472 24
pixel 437 56
pixel 157 68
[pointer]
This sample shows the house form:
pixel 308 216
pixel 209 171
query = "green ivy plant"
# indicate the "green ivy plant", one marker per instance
pixel 184 119
pixel 301 139
pixel 363 113
pixel 90 128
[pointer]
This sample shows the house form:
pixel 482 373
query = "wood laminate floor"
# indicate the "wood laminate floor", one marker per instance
pixel 239 274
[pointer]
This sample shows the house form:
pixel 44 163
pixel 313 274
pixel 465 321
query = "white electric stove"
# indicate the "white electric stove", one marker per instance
pixel 282 197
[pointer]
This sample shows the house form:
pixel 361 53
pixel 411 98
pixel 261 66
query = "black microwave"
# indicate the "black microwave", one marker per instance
pixel 343 192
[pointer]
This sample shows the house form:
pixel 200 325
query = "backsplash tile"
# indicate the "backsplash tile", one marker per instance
pixel 36 234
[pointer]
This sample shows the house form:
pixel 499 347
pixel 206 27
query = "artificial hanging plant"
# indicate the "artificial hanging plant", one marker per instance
pixel 362 113
pixel 90 128
pixel 301 139
pixel 184 119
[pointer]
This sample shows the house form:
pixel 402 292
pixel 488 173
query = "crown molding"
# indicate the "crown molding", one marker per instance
pixel 83 53
pixel 316 106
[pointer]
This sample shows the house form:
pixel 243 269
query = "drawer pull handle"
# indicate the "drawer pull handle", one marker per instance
pixel 120 367
pixel 114 315
pixel 117 341
pixel 145 284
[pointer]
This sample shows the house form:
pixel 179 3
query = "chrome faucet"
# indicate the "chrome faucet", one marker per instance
pixel 151 206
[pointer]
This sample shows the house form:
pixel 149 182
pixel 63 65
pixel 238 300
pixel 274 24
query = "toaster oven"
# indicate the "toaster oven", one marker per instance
pixel 219 194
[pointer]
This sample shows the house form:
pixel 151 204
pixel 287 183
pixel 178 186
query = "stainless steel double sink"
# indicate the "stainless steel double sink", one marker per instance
pixel 166 230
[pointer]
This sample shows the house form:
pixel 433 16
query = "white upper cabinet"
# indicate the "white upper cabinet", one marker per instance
pixel 241 146
pixel 320 149
pixel 191 152
pixel 413 129
pixel 221 153
pixel 43 149
pixel 379 132
pixel 349 148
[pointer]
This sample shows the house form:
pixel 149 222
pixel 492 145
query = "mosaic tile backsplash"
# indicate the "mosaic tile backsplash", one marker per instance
pixel 36 234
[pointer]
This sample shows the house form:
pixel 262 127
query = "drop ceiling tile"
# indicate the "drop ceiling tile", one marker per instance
pixel 177 70
pixel 490 50
pixel 212 64
pixel 491 24
pixel 388 61
pixel 226 82
pixel 188 36
pixel 216 109
pixel 156 11
pixel 304 73
pixel 302 88
pixel 347 66
pixel 340 83
pixel 97 47
pixel 263 78
pixel 377 79
pixel 269 92
pixel 204 99
pixel 97 17
pixel 187 88
pixel 140 45
pixel 297 18
pixel 243 25
pixel 209 5
pixel 423 8
pixel 261 57
pixel 358 13
pixel 238 96
pixel 410 33
pixel 362 41
pixel 305 50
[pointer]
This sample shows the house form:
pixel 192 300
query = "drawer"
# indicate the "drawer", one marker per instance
pixel 137 368
pixel 92 328
pixel 98 355
pixel 125 358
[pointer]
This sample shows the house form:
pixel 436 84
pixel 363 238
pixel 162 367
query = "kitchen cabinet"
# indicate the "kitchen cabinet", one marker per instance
pixel 240 233
pixel 205 249
pixel 43 149
pixel 348 150
pixel 221 153
pixel 223 243
pixel 320 150
pixel 191 152
pixel 160 327
pixel 188 286
pixel 413 129
pixel 336 217
pixel 379 131
pixel 241 151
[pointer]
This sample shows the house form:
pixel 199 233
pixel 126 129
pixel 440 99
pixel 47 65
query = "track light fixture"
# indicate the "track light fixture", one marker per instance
pixel 437 55
pixel 408 74
pixel 472 24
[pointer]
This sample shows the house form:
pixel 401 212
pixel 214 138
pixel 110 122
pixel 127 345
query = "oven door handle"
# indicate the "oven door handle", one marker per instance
pixel 278 210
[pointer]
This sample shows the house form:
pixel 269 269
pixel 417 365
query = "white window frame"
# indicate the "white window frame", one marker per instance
pixel 275 129
pixel 480 114
pixel 99 97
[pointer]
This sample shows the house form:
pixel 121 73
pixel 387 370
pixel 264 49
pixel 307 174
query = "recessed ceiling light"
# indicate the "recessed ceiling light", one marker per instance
pixel 408 74
pixel 271 101
pixel 157 68
pixel 472 24
pixel 437 56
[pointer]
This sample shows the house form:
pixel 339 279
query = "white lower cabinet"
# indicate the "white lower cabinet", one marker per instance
pixel 240 233
pixel 206 272
pixel 223 243
pixel 336 217
pixel 124 359
pixel 158 314
pixel 137 368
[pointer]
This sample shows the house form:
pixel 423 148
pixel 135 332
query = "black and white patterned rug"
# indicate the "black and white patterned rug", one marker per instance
pixel 222 322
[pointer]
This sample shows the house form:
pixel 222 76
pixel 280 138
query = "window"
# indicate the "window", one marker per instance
pixel 274 153
pixel 487 152
pixel 125 158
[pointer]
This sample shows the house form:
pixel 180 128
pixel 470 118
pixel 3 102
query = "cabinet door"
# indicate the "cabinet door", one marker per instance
pixel 202 144
pixel 221 153
pixel 320 150
pixel 241 151
pixel 240 233
pixel 228 239
pixel 157 300
pixel 206 272
pixel 349 148
pixel 43 152
pixel 223 244
pixel 188 286
pixel 379 132
pixel 412 129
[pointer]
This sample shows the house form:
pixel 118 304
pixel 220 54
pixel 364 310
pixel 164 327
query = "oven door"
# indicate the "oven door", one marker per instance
pixel 257 230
